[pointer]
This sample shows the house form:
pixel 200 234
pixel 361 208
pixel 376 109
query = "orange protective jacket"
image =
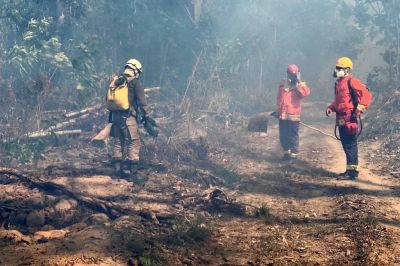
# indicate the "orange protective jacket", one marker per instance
pixel 289 100
pixel 343 103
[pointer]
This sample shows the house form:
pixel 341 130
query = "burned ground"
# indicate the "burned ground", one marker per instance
pixel 239 205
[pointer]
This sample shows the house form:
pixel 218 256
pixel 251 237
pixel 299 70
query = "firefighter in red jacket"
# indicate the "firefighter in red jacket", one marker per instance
pixel 290 95
pixel 352 98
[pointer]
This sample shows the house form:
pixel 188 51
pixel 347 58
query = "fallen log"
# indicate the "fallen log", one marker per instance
pixel 53 112
pixel 96 204
pixel 152 89
pixel 110 209
pixel 41 134
pixel 83 111
pixel 57 133
pixel 66 123
pixel 51 130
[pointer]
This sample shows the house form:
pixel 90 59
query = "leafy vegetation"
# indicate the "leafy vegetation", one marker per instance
pixel 215 55
pixel 195 231
pixel 380 19
pixel 265 214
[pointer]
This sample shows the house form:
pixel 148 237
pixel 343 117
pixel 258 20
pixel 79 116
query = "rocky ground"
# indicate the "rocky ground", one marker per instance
pixel 228 200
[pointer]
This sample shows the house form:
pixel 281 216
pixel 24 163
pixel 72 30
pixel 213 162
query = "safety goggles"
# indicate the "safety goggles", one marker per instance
pixel 130 66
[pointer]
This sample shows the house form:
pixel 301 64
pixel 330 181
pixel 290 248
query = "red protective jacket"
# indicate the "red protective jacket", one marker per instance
pixel 343 104
pixel 289 100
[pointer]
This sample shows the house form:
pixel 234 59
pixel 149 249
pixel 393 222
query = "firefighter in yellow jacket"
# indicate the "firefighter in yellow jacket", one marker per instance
pixel 125 99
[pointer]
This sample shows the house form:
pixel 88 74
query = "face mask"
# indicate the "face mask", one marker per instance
pixel 131 72
pixel 340 72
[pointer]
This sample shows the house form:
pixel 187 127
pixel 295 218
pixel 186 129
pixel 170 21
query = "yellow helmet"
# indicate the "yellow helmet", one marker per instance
pixel 134 63
pixel 344 62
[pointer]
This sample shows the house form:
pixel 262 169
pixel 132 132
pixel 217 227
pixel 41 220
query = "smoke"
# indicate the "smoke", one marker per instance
pixel 260 38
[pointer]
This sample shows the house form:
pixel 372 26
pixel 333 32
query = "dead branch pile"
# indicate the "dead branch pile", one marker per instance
pixel 216 200
pixel 66 125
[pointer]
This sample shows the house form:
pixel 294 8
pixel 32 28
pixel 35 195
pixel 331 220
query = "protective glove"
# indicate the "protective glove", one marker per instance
pixel 274 114
pixel 328 111
pixel 351 128
pixel 150 126
pixel 301 84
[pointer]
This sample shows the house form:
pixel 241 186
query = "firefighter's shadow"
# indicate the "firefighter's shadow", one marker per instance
pixel 104 169
pixel 363 221
pixel 300 181
pixel 302 167
pixel 272 156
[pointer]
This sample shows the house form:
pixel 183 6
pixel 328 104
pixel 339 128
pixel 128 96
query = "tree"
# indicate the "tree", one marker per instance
pixel 382 23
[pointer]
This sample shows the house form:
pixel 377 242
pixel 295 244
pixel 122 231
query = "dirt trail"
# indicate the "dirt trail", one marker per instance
pixel 300 213
pixel 318 218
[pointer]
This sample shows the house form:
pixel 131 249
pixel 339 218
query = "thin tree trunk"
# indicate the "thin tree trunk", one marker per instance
pixel 197 10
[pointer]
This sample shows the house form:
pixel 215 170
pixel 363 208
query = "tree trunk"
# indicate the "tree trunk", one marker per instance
pixel 197 10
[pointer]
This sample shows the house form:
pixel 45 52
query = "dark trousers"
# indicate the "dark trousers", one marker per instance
pixel 350 147
pixel 289 135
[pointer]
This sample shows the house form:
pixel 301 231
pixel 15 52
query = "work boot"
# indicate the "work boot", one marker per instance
pixel 289 156
pixel 353 174
pixel 133 168
pixel 117 166
pixel 129 169
pixel 286 156
pixel 140 179
pixel 348 175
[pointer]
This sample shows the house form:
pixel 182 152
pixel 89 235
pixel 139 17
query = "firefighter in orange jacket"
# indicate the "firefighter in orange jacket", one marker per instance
pixel 290 95
pixel 352 98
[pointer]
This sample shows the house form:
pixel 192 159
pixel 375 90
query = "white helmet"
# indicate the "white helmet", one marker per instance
pixel 134 64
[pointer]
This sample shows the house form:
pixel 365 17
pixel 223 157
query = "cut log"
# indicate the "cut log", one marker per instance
pixel 53 112
pixel 84 111
pixel 60 125
pixel 152 89
pixel 57 133
pixel 66 123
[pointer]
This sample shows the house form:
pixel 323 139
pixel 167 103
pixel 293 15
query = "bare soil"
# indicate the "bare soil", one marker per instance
pixel 271 212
